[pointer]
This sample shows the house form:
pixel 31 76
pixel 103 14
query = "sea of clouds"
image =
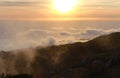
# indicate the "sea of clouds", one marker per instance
pixel 26 34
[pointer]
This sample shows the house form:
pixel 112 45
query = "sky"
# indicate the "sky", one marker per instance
pixel 44 9
pixel 31 23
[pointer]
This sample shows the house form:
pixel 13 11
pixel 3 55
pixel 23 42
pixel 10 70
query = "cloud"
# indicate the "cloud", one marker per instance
pixel 4 34
pixel 92 32
pixel 36 34
pixel 51 41
pixel 33 3
pixel 65 34
pixel 89 34
pixel 15 3
pixel 25 34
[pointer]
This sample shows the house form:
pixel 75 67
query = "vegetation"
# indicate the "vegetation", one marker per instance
pixel 98 58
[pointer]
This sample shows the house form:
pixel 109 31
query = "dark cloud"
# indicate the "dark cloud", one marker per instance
pixel 51 41
pixel 93 32
pixel 33 3
pixel 18 3
pixel 64 34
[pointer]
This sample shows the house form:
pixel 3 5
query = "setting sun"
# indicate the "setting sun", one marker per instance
pixel 64 6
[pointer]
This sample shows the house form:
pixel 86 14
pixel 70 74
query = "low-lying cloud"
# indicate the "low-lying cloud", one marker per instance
pixel 25 34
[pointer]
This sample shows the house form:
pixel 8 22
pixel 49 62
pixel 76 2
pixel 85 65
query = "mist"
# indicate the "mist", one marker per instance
pixel 27 34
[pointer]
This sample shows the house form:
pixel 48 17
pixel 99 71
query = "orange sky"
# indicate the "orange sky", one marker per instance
pixel 40 10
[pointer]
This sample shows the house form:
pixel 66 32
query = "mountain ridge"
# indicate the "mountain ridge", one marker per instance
pixel 97 58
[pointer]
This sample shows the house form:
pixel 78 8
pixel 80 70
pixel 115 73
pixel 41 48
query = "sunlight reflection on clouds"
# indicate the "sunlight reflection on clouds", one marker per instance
pixel 24 34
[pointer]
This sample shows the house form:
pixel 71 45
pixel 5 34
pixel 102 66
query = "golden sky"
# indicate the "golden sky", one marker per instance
pixel 45 9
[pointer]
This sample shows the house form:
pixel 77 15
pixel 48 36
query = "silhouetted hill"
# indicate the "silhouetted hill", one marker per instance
pixel 97 58
pixel 109 42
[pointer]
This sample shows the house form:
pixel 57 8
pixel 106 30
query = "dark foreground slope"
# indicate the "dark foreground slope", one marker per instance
pixel 98 58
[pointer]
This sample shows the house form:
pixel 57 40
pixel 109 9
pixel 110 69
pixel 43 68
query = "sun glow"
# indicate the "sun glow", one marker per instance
pixel 64 6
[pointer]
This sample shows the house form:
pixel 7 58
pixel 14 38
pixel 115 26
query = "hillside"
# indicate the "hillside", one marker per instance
pixel 98 58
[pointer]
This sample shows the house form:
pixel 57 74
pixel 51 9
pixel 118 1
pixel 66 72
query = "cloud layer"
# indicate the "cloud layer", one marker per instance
pixel 24 34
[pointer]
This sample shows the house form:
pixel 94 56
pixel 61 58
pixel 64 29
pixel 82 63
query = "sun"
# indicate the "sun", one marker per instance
pixel 64 5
